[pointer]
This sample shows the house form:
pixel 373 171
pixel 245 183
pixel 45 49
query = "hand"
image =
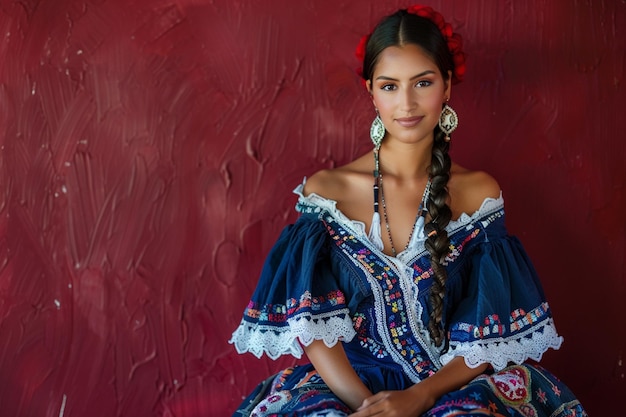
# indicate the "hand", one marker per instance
pixel 406 403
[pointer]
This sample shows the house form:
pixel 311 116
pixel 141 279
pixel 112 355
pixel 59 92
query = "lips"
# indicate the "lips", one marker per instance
pixel 409 121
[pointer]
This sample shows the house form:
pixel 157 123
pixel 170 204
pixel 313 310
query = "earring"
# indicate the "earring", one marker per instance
pixel 377 131
pixel 448 121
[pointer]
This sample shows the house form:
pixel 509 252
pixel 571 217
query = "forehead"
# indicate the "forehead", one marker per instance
pixel 410 59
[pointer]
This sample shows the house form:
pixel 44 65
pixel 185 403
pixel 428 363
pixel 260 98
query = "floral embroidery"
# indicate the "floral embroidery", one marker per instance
pixel 394 312
pixel 360 323
pixel 521 319
pixel 528 410
pixel 455 251
pixel 542 396
pixel 492 406
pixel 422 273
pixel 277 313
pixel 512 385
pixel 492 326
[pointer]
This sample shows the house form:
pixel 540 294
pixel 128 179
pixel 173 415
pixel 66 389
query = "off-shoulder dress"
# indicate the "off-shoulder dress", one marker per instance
pixel 326 278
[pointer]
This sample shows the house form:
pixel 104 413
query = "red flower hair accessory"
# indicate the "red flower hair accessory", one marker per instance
pixel 454 41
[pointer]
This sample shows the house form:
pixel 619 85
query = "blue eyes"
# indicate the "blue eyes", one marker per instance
pixel 393 87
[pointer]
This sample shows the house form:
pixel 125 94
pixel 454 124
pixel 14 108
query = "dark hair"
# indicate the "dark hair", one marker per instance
pixel 403 28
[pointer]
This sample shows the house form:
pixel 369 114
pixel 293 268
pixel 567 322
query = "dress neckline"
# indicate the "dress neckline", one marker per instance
pixel 374 237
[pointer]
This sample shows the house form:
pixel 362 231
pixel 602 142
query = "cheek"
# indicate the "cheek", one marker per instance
pixel 384 108
pixel 434 101
pixel 384 104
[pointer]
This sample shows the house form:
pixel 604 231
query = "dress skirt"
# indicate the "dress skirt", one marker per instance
pixel 519 391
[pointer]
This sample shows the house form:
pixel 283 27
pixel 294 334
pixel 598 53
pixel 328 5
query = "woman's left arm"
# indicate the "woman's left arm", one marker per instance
pixel 419 398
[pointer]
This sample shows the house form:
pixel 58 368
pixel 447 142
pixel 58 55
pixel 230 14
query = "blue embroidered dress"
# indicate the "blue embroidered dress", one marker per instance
pixel 327 279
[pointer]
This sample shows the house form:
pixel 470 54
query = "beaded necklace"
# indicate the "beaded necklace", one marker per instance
pixel 378 185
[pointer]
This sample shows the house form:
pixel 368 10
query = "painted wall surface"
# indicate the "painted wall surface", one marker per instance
pixel 148 149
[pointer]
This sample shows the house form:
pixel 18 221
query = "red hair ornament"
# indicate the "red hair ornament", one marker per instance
pixel 453 40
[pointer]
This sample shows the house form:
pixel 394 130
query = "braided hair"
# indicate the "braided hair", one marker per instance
pixel 403 28
pixel 438 242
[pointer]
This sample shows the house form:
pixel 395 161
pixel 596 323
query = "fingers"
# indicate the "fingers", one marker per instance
pixel 367 412
pixel 371 406
pixel 369 401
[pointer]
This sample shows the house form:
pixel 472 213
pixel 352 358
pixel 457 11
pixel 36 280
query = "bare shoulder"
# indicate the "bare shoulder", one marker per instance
pixel 326 183
pixel 469 189
pixel 340 183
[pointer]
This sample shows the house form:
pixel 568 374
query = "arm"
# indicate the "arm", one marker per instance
pixel 334 367
pixel 417 399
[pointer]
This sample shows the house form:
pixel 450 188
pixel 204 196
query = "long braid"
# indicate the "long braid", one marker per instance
pixel 438 242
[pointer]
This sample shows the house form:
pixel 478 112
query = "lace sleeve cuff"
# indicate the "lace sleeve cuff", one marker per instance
pixel 304 328
pixel 501 352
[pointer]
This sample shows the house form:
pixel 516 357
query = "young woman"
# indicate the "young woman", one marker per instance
pixel 399 280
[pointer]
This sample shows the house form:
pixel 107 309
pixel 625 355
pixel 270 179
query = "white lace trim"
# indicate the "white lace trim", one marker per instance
pixel 322 203
pixel 414 312
pixel 489 205
pixel 500 352
pixel 274 342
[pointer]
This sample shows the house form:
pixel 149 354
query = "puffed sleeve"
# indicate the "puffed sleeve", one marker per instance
pixel 298 297
pixel 500 314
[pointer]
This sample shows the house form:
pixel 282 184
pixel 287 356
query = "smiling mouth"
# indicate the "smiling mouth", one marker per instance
pixel 409 121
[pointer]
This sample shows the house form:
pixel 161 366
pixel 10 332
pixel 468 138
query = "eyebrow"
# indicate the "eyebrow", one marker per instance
pixel 421 74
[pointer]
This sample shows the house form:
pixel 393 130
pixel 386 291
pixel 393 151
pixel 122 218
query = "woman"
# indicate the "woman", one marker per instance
pixel 420 310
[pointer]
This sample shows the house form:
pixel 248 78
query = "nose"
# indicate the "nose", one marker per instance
pixel 408 101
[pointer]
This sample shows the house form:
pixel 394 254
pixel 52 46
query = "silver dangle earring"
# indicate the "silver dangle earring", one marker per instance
pixel 377 131
pixel 448 121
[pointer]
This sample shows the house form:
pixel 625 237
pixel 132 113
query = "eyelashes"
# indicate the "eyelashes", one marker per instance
pixel 418 84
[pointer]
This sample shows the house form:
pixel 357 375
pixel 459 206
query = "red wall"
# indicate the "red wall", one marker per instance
pixel 148 149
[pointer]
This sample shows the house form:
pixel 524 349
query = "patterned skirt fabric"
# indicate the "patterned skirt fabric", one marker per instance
pixel 520 390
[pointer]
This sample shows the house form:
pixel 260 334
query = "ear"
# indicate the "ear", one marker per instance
pixel 368 85
pixel 448 85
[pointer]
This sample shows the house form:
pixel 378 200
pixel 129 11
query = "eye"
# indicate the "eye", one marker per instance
pixel 388 87
pixel 423 83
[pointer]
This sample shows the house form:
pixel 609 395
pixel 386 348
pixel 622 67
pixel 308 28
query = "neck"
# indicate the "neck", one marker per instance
pixel 405 161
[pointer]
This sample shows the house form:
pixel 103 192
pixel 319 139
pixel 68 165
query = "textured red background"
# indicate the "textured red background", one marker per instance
pixel 149 147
